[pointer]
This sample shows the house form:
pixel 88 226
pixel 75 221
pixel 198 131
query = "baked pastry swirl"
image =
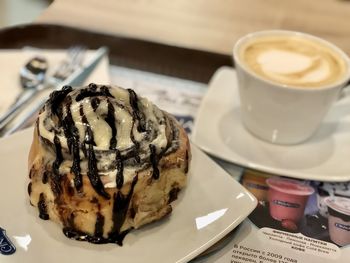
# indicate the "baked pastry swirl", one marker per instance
pixel 103 161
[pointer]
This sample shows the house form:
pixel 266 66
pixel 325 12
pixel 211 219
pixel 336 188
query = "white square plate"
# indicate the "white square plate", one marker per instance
pixel 209 207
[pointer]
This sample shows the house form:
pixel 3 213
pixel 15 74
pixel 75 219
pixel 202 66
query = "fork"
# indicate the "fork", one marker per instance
pixel 73 61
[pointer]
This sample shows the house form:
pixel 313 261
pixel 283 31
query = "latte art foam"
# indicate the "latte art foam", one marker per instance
pixel 293 61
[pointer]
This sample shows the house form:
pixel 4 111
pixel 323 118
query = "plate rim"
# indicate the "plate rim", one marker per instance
pixel 250 201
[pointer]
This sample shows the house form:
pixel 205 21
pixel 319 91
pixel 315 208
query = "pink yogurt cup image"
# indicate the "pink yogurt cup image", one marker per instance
pixel 339 219
pixel 287 198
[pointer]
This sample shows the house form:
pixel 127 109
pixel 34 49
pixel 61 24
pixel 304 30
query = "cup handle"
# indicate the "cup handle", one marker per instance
pixel 344 92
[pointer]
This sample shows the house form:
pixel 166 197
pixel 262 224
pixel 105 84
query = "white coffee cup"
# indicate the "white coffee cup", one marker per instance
pixel 285 113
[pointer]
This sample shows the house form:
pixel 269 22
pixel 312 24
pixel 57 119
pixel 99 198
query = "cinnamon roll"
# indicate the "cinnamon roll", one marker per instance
pixel 104 161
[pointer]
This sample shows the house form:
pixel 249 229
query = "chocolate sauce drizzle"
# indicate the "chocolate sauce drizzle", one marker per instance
pixel 173 194
pixel 55 184
pixel 42 207
pixel 95 102
pixel 56 99
pixel 89 135
pixel 29 188
pixel 187 157
pixel 137 114
pixel 100 221
pixel 72 134
pixel 120 208
pixel 87 93
pixel 111 122
pixel 59 158
pixel 92 173
pixel 31 172
pixel 81 236
pixel 154 161
pixel 45 177
pixel 120 170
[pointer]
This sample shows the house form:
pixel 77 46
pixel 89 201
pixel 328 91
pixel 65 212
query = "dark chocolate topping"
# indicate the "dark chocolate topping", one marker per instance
pixel 112 123
pixel 45 177
pixel 95 102
pixel 59 158
pixel 100 221
pixel 56 99
pixel 92 173
pixel 87 93
pixel 72 134
pixel 120 170
pixel 80 236
pixel 154 161
pixel 137 114
pixel 120 208
pixel 29 188
pixel 42 207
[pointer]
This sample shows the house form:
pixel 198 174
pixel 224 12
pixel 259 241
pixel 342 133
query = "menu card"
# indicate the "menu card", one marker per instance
pixel 296 221
pixel 317 228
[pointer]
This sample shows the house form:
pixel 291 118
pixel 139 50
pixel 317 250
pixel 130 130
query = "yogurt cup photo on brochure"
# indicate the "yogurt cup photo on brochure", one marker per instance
pixel 339 219
pixel 304 209
pixel 287 83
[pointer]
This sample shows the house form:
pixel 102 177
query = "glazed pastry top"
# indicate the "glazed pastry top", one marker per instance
pixel 106 132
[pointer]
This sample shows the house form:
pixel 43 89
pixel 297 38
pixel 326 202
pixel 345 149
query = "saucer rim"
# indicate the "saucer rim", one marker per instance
pixel 197 139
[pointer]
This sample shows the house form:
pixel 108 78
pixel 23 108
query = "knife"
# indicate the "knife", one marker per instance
pixel 75 79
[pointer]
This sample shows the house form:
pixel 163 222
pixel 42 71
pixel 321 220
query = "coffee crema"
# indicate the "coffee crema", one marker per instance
pixel 293 61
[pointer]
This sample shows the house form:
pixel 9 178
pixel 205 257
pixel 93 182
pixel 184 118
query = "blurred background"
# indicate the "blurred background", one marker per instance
pixel 212 26
pixel 14 12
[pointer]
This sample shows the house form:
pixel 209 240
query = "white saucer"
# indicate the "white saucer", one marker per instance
pixel 219 131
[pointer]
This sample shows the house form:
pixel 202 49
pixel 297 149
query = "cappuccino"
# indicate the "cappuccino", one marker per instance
pixel 287 83
pixel 293 61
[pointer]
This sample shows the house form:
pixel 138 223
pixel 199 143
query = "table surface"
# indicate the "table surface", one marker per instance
pixel 204 24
